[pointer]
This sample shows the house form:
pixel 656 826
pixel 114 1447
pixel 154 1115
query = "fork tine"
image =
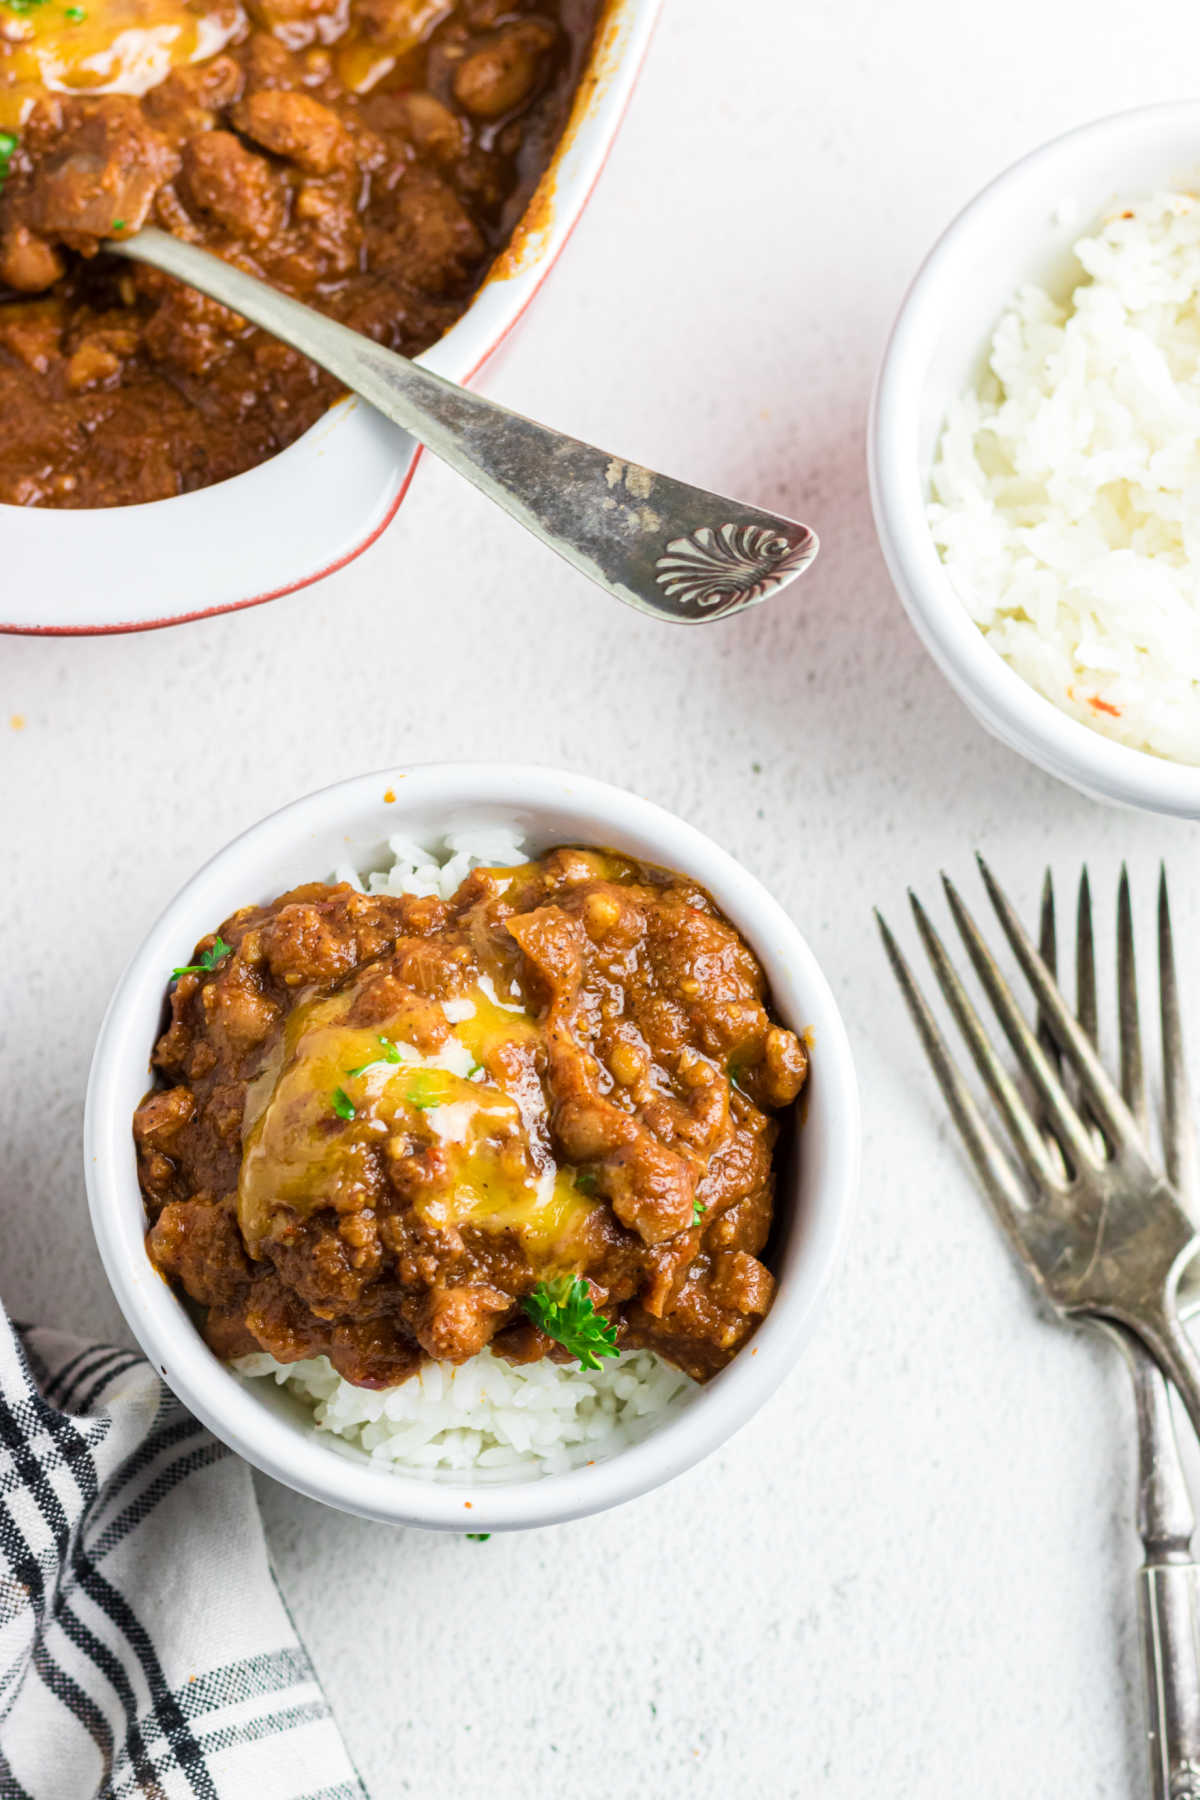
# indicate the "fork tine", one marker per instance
pixel 992 1166
pixel 1028 1140
pixel 1065 1123
pixel 1048 949
pixel 1179 1128
pixel 1086 1009
pixel 1133 1075
pixel 1104 1101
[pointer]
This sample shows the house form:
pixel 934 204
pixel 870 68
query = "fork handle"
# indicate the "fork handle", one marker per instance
pixel 1169 1617
pixel 1159 1328
pixel 1168 1586
pixel 1169 1591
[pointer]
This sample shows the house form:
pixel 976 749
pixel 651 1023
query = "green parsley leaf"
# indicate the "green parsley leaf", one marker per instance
pixel 585 1180
pixel 209 960
pixel 736 1073
pixel 391 1054
pixel 117 225
pixel 563 1309
pixel 475 1069
pixel 342 1104
pixel 76 14
pixel 8 143
pixel 698 1211
pixel 478 1537
pixel 420 1097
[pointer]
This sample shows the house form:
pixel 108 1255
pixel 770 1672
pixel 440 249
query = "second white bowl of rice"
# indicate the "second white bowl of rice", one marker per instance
pixel 483 1446
pixel 1070 564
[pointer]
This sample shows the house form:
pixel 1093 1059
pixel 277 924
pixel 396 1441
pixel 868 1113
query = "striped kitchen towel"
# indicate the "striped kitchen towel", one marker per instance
pixel 144 1648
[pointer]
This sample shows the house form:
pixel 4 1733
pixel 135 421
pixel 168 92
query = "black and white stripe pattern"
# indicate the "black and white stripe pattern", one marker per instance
pixel 144 1648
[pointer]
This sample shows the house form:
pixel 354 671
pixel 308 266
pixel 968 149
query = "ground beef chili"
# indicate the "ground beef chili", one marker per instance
pixel 372 180
pixel 381 1122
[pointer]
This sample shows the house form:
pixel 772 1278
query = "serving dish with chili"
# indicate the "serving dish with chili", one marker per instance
pixel 369 157
pixel 434 224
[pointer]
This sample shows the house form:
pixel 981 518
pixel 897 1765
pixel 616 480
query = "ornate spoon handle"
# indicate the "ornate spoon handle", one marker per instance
pixel 668 549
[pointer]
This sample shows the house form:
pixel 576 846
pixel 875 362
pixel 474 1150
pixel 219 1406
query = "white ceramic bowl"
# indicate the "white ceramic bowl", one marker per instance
pixel 323 500
pixel 353 821
pixel 1019 229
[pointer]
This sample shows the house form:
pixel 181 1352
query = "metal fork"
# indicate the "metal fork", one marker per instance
pixel 1169 1582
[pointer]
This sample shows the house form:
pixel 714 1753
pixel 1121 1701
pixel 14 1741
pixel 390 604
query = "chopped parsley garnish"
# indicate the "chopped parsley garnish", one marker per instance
pixel 22 6
pixel 563 1309
pixel 118 225
pixel 736 1072
pixel 585 1180
pixel 342 1104
pixel 698 1211
pixel 208 960
pixel 478 1537
pixel 475 1069
pixel 391 1054
pixel 8 143
pixel 76 14
pixel 420 1097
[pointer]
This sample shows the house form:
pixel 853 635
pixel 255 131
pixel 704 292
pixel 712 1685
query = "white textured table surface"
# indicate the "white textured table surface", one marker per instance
pixel 912 1573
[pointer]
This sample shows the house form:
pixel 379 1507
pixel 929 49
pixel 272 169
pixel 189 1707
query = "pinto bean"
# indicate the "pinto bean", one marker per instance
pixel 501 75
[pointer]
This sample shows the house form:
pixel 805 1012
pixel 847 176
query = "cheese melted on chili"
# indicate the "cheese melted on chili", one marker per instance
pixel 102 47
pixel 500 1171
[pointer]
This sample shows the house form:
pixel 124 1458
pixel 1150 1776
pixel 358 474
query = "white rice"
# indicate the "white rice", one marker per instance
pixel 488 1420
pixel 419 869
pixel 484 1420
pixel 1067 486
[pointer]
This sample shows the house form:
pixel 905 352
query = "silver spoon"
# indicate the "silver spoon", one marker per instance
pixel 668 549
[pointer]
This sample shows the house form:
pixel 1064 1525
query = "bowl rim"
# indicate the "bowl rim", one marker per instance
pixel 1005 703
pixel 298 1458
pixel 244 541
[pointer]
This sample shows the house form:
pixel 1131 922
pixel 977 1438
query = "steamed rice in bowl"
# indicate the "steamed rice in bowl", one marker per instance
pixel 484 1419
pixel 1066 485
pixel 487 1420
